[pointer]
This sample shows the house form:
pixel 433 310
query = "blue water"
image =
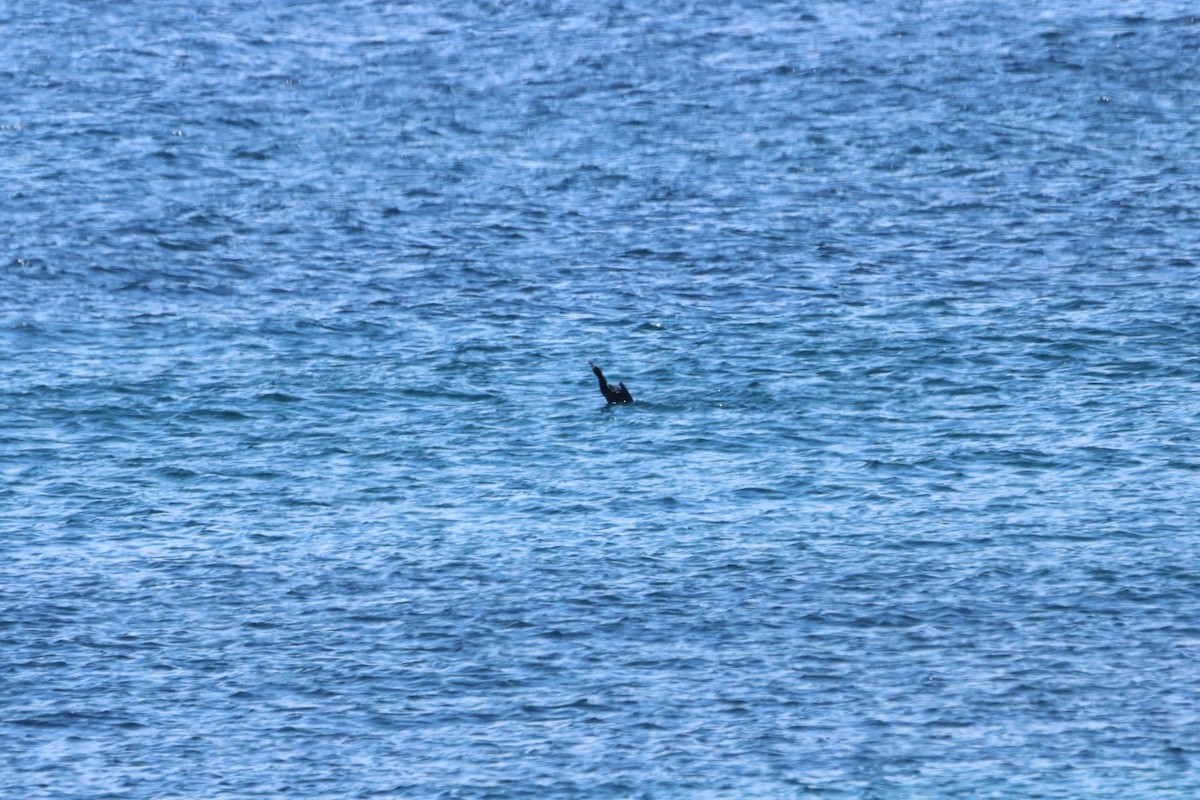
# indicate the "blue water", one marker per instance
pixel 308 490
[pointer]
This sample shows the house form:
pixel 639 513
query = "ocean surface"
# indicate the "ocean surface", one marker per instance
pixel 308 490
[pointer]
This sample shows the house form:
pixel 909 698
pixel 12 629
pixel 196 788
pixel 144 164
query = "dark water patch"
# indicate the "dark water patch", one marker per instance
pixel 278 397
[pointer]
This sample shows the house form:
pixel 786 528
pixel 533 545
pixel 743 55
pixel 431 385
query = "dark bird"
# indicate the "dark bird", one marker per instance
pixel 617 395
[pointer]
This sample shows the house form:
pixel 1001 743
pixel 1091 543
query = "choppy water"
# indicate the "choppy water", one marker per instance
pixel 308 491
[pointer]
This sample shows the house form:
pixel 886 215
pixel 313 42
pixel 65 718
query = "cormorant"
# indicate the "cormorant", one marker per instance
pixel 618 395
